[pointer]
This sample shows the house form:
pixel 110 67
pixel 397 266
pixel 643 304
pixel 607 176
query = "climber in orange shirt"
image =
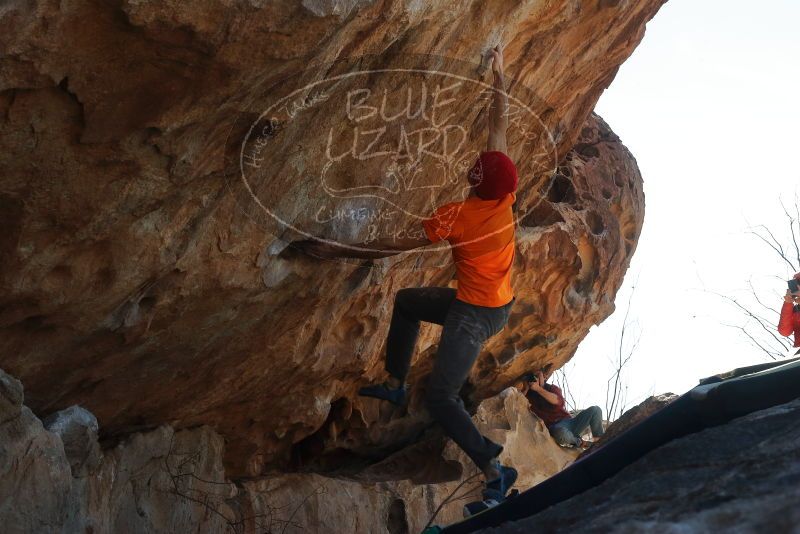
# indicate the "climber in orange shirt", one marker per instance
pixel 790 313
pixel 480 232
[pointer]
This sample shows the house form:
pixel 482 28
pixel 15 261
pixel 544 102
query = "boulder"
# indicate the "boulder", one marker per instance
pixel 163 481
pixel 159 158
pixel 432 478
pixel 635 415
pixel 35 479
pixel 739 477
pixel 77 428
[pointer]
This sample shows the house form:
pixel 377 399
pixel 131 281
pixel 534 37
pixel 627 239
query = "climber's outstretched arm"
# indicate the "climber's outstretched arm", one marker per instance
pixel 369 250
pixel 498 111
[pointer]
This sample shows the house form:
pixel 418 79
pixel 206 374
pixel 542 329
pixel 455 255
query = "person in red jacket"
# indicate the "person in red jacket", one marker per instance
pixel 548 403
pixel 790 315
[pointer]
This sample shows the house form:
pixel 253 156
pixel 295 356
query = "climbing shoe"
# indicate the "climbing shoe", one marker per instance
pixel 496 489
pixel 384 392
pixel 477 507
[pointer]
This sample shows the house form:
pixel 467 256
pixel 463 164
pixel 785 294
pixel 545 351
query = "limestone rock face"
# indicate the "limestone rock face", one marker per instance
pixel 408 505
pixel 34 472
pixel 635 415
pixel 163 481
pixel 77 428
pixel 158 158
pixel 144 485
pixel 739 477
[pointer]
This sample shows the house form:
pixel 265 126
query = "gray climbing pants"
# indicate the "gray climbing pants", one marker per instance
pixel 465 328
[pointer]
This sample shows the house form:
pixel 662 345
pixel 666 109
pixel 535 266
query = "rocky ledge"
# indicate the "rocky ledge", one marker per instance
pixel 55 478
pixel 743 476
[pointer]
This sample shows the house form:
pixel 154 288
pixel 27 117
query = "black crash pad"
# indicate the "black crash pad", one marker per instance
pixel 715 401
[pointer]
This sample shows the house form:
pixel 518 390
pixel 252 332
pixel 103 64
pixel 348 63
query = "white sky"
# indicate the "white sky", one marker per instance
pixel 709 104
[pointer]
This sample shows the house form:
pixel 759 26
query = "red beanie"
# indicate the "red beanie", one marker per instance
pixel 493 175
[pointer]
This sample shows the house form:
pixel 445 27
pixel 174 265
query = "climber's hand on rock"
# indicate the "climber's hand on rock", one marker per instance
pixel 319 249
pixel 497 60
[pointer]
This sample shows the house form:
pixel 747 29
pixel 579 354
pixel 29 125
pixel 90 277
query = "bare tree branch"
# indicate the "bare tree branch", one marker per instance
pixel 791 230
pixel 181 466
pixel 769 328
pixel 616 389
pixel 753 340
pixel 758 299
pixel 796 236
pixel 563 383
pixel 449 499
pixel 774 245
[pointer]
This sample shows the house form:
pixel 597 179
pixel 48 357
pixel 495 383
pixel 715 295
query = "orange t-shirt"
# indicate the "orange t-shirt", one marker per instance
pixel 481 233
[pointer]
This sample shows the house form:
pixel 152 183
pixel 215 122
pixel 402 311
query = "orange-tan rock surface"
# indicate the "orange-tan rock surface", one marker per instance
pixel 158 157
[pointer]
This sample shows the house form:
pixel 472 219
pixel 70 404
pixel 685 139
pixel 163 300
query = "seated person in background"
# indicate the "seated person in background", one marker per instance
pixel 547 402
pixel 790 313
